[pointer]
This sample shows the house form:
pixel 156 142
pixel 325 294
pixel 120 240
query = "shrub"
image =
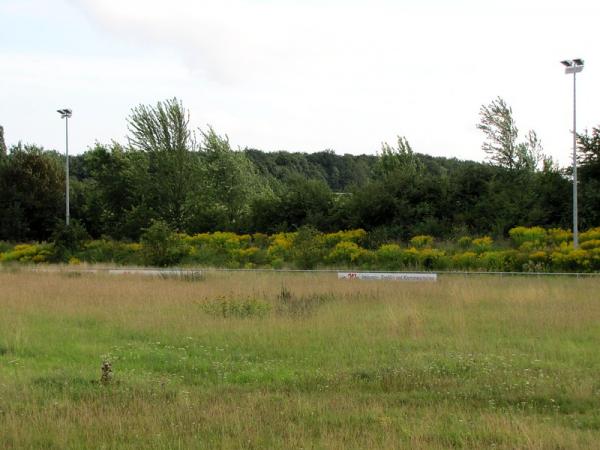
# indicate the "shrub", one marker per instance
pixel 422 241
pixel 68 239
pixel 520 235
pixel 104 250
pixel 356 236
pixel 464 242
pixel 430 258
pixel 160 246
pixel 28 253
pixel 307 249
pixel 556 236
pixel 571 260
pixel 390 256
pixel 345 253
pixel 281 245
pixel 482 244
pixel 466 260
pixel 589 235
pixel 494 261
pixel 593 243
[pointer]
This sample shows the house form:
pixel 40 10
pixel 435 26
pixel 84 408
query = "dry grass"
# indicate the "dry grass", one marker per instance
pixel 463 363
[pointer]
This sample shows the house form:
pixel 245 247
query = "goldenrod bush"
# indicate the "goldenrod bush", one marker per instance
pixel 529 249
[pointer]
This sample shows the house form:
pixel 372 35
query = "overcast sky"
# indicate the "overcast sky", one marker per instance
pixel 300 75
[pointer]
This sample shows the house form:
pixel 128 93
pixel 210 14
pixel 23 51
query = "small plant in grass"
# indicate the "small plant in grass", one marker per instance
pixel 290 304
pixel 107 372
pixel 236 308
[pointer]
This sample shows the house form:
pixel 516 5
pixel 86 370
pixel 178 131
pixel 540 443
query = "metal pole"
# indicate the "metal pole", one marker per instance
pixel 67 168
pixel 575 224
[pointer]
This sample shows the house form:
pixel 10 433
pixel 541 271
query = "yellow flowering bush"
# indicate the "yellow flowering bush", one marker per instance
pixel 482 244
pixel 390 256
pixel 345 253
pixel 432 258
pixel 495 261
pixel 466 260
pixel 593 243
pixel 520 235
pixel 281 245
pixel 571 260
pixel 25 253
pixel 556 236
pixel 356 236
pixel 422 241
pixel 589 235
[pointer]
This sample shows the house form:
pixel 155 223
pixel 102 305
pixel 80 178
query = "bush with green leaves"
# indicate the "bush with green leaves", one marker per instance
pixel 307 248
pixel 68 239
pixel 160 245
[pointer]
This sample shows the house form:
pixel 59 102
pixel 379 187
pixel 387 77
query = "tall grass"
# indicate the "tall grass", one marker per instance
pixel 250 360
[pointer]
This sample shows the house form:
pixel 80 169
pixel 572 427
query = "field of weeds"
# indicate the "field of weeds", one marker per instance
pixel 246 360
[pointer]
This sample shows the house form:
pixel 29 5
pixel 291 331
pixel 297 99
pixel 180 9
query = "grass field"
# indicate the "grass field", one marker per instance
pixel 251 360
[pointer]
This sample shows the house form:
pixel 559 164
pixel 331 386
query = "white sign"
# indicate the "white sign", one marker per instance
pixel 387 276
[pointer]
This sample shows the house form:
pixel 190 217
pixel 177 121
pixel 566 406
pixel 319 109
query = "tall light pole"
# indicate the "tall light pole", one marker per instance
pixel 65 114
pixel 574 67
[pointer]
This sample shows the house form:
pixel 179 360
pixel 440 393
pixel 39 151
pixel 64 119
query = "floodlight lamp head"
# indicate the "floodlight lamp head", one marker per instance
pixel 65 113
pixel 578 62
pixel 567 63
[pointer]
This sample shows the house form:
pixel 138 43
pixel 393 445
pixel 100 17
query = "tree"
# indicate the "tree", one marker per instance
pixel 31 193
pixel 501 132
pixel 2 143
pixel 226 185
pixel 400 158
pixel 162 132
pixel 108 199
pixel 589 177
pixel 589 147
pixel 498 125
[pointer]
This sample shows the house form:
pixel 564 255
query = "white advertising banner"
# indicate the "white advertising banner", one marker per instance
pixel 387 276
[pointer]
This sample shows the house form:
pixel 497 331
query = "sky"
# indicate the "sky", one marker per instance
pixel 300 75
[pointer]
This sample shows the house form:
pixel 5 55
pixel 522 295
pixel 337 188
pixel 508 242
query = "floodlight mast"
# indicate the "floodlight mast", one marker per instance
pixel 574 67
pixel 66 113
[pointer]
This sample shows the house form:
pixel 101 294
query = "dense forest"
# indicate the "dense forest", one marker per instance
pixel 195 182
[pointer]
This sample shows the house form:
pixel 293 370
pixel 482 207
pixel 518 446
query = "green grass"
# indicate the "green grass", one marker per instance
pixel 287 361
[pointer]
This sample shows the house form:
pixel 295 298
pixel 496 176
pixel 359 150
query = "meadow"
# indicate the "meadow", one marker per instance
pixel 271 360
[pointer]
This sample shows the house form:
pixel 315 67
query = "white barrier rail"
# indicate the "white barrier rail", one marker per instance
pixel 195 272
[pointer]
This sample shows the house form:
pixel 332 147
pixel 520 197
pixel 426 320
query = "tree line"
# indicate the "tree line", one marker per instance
pixel 194 181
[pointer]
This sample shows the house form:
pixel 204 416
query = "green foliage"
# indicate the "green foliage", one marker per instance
pixel 501 132
pixel 422 241
pixel 32 189
pixel 401 158
pixel 482 244
pixel 589 235
pixel 69 238
pixel 533 249
pixel 160 245
pixel 346 253
pixel 307 250
pixel 536 236
pixel 28 253
pixel 464 242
